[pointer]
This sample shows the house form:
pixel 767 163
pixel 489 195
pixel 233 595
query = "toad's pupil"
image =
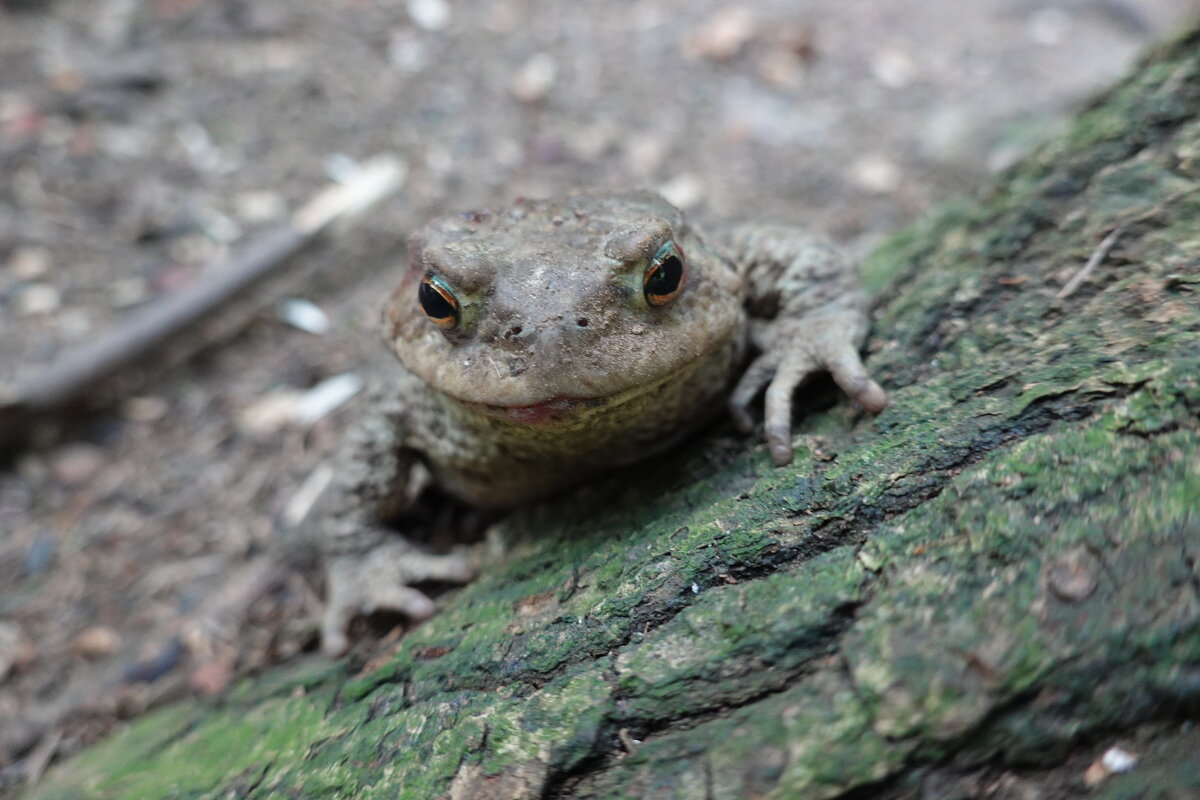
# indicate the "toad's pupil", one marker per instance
pixel 665 277
pixel 435 303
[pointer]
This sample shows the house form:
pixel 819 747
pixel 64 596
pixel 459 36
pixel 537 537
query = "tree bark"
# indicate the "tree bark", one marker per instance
pixel 994 580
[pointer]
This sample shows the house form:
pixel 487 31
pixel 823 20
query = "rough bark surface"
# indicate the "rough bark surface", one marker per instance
pixel 997 574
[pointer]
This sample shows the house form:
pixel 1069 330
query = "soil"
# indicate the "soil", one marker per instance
pixel 141 139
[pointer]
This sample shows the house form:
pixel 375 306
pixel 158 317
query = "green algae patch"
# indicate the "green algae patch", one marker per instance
pixel 738 641
pixel 559 726
pixel 814 740
pixel 1049 595
pixel 419 752
pixel 174 754
pixel 1061 553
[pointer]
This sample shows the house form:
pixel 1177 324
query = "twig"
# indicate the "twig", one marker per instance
pixel 74 377
pixel 1098 255
pixel 36 764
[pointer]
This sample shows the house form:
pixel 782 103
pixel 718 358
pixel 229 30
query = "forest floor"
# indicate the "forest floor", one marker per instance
pixel 139 140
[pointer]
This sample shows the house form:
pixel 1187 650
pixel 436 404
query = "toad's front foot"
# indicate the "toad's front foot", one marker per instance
pixel 803 347
pixel 380 580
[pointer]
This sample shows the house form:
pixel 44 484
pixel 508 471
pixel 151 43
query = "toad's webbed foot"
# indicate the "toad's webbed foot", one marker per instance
pixel 379 580
pixel 809 314
pixel 804 347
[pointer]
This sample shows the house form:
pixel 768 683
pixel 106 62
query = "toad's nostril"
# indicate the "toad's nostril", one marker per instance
pixel 582 322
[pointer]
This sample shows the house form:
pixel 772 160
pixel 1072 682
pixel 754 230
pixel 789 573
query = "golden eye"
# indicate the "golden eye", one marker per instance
pixel 663 279
pixel 438 302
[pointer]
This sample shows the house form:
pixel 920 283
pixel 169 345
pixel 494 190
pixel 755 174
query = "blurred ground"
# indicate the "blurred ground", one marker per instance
pixel 139 139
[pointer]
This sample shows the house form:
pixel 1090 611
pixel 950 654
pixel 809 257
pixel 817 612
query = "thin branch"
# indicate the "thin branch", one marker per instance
pixel 73 377
pixel 1098 255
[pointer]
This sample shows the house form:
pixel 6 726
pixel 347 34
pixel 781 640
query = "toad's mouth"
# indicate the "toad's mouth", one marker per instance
pixel 565 410
pixel 549 411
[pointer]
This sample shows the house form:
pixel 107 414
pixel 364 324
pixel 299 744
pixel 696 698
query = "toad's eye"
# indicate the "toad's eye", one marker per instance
pixel 663 280
pixel 438 302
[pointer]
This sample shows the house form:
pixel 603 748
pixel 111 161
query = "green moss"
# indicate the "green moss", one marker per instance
pixel 737 641
pixel 173 754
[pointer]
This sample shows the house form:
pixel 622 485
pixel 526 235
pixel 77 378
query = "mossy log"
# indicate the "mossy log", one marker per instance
pixel 996 576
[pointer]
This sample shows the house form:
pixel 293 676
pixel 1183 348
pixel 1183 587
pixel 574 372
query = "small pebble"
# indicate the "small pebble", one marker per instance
pixel 685 190
pixel 1115 761
pixel 1070 580
pixel 591 142
pixel 645 153
pixel 432 15
pixel 1118 760
pixel 15 649
pixel 875 173
pixel 781 68
pixel 284 407
pixel 723 36
pixel 76 465
pixel 269 413
pixel 255 208
pixel 326 396
pixel 96 642
pixel 144 408
pixel 1095 774
pixel 211 677
pixel 128 291
pixel 893 68
pixel 1049 26
pixel 29 263
pixel 534 79
pixel 407 53
pixel 303 314
pixel 38 298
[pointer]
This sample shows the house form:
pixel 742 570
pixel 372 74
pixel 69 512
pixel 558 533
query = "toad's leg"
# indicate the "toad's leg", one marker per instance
pixel 369 567
pixel 808 314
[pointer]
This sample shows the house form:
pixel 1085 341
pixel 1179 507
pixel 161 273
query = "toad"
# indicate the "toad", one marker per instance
pixel 558 339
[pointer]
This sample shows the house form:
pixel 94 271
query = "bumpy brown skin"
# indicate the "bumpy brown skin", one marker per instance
pixel 559 367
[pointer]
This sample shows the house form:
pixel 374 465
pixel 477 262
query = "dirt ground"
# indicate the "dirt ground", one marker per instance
pixel 140 139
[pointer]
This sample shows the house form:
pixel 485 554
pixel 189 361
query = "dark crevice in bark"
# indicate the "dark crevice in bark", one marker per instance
pixel 258 781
